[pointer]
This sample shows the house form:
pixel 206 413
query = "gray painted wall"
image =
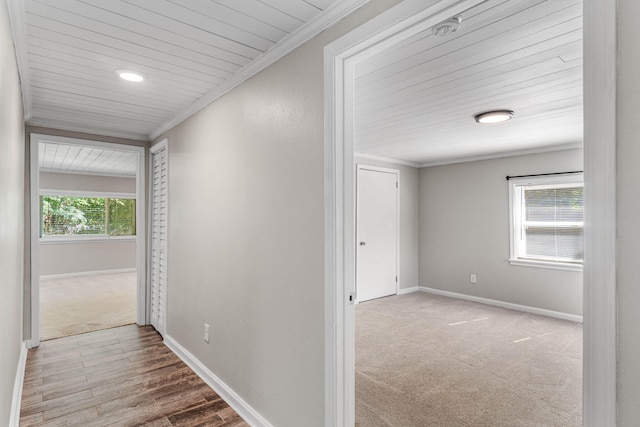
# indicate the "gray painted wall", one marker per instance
pixel 82 257
pixel 409 194
pixel 246 242
pixel 628 212
pixel 11 215
pixel 464 228
pixel 78 182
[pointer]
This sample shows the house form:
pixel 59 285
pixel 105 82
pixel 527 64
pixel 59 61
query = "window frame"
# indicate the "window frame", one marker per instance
pixel 515 217
pixel 85 238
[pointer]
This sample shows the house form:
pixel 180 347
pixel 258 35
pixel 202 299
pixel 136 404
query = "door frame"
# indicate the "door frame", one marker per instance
pixel 141 255
pixel 396 172
pixel 163 144
pixel 402 21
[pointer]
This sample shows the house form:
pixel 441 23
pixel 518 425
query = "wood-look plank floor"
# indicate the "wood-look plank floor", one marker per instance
pixel 122 376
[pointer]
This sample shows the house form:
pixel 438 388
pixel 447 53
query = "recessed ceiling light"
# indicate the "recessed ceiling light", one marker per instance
pixel 130 76
pixel 496 116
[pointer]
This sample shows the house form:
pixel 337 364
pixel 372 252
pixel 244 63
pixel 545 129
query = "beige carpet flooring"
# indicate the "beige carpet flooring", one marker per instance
pixel 77 305
pixel 426 360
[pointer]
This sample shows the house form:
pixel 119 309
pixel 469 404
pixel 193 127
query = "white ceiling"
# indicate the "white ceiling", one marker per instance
pixel 416 101
pixel 190 52
pixel 78 159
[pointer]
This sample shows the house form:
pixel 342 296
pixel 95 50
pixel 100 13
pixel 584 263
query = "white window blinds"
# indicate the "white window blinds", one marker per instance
pixel 548 220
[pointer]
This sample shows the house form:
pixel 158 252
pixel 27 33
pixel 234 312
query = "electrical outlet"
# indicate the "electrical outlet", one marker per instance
pixel 206 332
pixel 473 278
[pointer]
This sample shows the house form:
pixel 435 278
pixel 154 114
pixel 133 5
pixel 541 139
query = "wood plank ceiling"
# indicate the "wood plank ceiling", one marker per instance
pixel 76 159
pixel 69 51
pixel 416 101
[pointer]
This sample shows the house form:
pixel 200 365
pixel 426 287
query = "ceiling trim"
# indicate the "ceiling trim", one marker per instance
pixel 67 140
pixel 386 160
pixel 88 193
pixel 539 150
pixel 52 124
pixel 324 20
pixel 110 175
pixel 16 19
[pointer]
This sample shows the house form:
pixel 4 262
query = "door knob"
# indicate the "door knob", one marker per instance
pixel 363 243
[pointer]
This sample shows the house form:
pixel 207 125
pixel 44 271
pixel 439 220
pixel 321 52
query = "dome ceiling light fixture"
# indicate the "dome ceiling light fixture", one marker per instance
pixel 494 116
pixel 448 27
pixel 130 76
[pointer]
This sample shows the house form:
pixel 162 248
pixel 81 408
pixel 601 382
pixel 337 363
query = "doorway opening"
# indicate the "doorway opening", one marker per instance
pixel 401 23
pixel 87 236
pixel 416 102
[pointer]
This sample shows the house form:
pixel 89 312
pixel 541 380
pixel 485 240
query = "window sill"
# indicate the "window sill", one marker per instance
pixel 546 264
pixel 83 239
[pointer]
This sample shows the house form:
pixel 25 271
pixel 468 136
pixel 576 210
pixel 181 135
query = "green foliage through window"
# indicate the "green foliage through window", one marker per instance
pixel 63 216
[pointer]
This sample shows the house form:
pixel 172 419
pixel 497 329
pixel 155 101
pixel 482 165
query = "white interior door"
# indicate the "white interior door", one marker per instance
pixel 377 233
pixel 159 206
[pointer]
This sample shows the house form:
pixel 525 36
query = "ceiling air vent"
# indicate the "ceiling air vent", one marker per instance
pixel 447 27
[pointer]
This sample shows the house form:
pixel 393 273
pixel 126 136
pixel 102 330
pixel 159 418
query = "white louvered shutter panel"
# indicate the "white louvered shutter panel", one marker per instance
pixel 159 241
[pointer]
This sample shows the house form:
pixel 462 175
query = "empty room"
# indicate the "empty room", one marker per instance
pixel 470 215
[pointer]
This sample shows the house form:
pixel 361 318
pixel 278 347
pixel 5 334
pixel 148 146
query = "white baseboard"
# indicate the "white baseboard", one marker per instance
pixel 243 409
pixel 16 400
pixel 518 307
pixel 408 290
pixel 88 273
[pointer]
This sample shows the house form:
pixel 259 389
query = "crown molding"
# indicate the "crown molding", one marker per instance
pixel 324 20
pixel 16 19
pixel 386 160
pixel 52 124
pixel 512 153
pixel 539 150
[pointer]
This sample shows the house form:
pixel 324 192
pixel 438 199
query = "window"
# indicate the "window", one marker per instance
pixel 547 221
pixel 87 216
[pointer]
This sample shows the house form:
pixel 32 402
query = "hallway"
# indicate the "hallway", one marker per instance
pixel 122 376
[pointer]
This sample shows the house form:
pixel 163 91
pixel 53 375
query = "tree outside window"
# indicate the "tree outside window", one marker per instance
pixel 92 216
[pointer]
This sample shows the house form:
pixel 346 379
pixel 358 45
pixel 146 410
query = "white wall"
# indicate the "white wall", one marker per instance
pixel 628 221
pixel 11 215
pixel 464 228
pixel 60 258
pixel 409 194
pixel 246 240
